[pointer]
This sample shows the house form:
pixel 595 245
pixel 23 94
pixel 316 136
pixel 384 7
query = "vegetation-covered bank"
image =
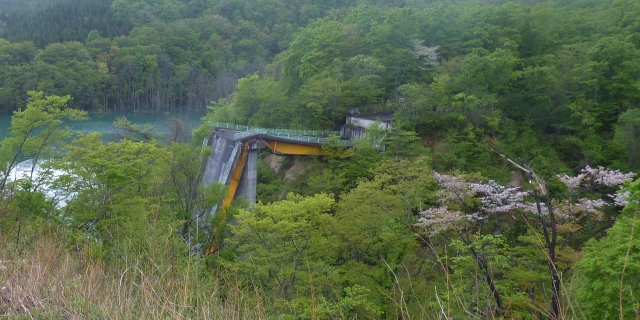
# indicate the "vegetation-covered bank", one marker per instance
pixel 507 187
pixel 367 234
pixel 47 280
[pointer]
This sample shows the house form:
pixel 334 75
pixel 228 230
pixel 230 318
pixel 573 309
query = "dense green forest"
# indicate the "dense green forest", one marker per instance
pixel 506 187
pixel 149 55
pixel 60 21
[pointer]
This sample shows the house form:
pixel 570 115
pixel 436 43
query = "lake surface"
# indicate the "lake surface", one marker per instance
pixel 103 123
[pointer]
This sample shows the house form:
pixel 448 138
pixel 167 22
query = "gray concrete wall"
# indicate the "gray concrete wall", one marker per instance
pixel 221 163
pixel 249 180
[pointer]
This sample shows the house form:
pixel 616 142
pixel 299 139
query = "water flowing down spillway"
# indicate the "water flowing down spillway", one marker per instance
pixel 42 179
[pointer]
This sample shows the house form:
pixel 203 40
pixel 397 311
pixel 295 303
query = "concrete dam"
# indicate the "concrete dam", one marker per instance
pixel 234 157
pixel 234 154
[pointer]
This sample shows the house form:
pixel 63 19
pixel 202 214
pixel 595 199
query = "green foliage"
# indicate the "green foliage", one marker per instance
pixel 29 202
pixel 58 21
pixel 355 303
pixel 111 182
pixel 509 61
pixel 372 223
pixel 539 82
pixel 185 194
pixel 282 245
pixel 628 135
pixel 469 278
pixel 402 141
pixel 36 132
pixel 270 186
pixel 608 284
pixel 340 251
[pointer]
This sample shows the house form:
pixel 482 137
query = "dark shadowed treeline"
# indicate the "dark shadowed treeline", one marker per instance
pixel 58 21
pixel 151 55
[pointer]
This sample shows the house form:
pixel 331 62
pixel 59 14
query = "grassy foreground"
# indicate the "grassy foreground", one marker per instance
pixel 45 281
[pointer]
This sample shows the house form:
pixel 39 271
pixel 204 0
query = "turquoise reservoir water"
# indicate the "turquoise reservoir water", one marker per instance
pixel 103 123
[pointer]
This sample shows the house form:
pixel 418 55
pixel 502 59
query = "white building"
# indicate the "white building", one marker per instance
pixel 356 124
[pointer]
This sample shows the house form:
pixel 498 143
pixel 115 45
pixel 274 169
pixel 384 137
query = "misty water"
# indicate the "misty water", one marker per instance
pixel 103 123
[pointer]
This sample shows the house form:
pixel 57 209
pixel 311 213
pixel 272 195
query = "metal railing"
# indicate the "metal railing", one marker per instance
pixel 309 136
pixel 274 132
pixel 288 136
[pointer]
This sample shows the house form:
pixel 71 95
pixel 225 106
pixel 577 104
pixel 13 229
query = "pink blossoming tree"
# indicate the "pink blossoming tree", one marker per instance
pixel 462 204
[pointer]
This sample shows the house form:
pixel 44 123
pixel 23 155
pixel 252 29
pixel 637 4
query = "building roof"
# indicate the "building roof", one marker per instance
pixel 382 116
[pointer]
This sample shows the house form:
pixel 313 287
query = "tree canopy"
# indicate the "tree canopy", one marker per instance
pixel 503 188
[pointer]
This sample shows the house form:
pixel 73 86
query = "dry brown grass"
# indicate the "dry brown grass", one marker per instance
pixel 49 282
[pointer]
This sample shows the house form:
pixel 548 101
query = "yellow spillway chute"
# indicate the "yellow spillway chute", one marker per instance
pixel 277 147
pixel 231 191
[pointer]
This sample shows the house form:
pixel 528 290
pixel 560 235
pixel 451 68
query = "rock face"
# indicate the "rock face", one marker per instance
pixel 274 162
pixel 296 169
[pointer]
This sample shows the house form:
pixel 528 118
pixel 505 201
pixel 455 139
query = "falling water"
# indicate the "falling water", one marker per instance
pixel 102 123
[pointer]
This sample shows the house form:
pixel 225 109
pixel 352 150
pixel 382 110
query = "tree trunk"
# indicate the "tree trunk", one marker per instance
pixel 553 268
pixel 484 265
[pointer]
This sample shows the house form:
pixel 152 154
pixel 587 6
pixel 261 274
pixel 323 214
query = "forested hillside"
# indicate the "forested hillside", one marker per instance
pixel 177 55
pixel 554 83
pixel 168 55
pixel 59 21
pixel 506 187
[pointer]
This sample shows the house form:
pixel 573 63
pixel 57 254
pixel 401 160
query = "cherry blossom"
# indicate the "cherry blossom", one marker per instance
pixel 609 178
pixel 592 176
pixel 460 203
pixel 494 198
pixel 620 198
pixel 497 198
